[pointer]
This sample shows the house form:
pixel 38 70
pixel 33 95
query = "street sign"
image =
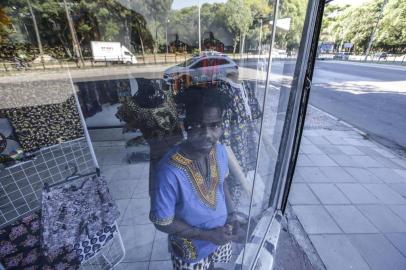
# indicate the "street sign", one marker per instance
pixel 348 45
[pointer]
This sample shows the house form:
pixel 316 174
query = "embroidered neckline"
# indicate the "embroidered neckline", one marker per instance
pixel 208 194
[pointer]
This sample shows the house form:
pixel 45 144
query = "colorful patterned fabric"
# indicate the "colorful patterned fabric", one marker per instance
pixel 222 254
pixel 20 248
pixel 89 247
pixel 178 193
pixel 238 127
pixel 45 125
pixel 70 213
pixel 159 125
pixel 10 149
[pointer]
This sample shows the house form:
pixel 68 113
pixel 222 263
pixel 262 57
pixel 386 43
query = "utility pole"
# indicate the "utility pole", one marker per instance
pixel 166 35
pixel 75 42
pixel 34 21
pixel 200 36
pixel 371 40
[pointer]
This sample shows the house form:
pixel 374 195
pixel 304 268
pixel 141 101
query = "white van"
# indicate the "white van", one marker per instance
pixel 103 51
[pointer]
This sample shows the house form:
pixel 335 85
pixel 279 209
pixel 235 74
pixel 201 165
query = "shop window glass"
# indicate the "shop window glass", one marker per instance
pixel 185 132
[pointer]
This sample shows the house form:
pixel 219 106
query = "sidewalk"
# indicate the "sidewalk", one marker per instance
pixel 350 196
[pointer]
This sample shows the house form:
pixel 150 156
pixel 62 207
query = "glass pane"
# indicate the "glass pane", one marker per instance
pixel 170 100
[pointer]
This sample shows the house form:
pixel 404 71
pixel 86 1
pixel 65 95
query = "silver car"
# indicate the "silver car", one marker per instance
pixel 203 68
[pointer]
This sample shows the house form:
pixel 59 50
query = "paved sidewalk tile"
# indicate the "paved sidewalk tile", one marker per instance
pixel 315 219
pixel 398 240
pixel 363 175
pixel 310 149
pixel 400 210
pixel 401 162
pixel 350 150
pixel 297 178
pixel 385 194
pixel 304 140
pixel 384 152
pixel 311 174
pixel 367 161
pixel 388 175
pixel 318 140
pixel 401 172
pixel 383 218
pixel 304 161
pixel 386 162
pixel 369 151
pixel 322 160
pixel 399 188
pixel 337 174
pixel 345 161
pixel 335 140
pixel 330 149
pixel 329 194
pixel 357 194
pixel 301 194
pixel 350 219
pixel 338 253
pixel 355 142
pixel 378 252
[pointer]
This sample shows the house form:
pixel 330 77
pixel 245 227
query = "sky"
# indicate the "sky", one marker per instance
pixel 178 4
pixel 349 2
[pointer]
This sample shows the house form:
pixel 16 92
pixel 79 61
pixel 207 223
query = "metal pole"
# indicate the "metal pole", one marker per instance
pixel 76 47
pixel 34 21
pixel 200 37
pixel 166 36
pixel 371 40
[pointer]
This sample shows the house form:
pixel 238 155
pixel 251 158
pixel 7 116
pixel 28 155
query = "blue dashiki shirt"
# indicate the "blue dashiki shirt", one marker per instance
pixel 180 192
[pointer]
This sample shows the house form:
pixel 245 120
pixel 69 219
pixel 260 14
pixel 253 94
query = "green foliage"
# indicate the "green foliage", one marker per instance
pixel 356 24
pixel 391 34
pixel 238 19
pixel 296 10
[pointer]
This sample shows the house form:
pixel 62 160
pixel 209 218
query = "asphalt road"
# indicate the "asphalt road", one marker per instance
pixel 371 97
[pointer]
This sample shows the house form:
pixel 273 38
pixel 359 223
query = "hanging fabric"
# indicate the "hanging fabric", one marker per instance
pixel 75 212
pixel 238 126
pixel 89 247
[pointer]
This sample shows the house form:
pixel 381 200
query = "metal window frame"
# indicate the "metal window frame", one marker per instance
pixel 297 106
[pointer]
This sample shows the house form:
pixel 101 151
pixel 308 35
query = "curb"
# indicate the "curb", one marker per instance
pixel 362 133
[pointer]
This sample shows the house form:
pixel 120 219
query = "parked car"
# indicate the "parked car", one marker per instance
pixel 341 56
pixel 208 66
pixel 381 55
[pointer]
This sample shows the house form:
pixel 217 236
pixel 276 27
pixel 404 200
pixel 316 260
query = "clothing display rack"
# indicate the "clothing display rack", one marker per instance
pixel 21 186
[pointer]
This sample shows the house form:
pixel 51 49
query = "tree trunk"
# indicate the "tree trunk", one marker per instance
pixel 142 46
pixel 235 45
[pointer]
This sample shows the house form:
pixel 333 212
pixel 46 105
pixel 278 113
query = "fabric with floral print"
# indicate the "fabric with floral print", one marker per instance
pixel 72 212
pixel 20 248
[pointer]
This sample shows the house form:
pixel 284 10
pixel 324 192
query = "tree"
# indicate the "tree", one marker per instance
pixel 391 34
pixel 238 19
pixel 5 26
pixel 330 19
pixel 296 10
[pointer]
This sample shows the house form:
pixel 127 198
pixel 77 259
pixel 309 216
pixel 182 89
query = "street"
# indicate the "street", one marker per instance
pixel 368 96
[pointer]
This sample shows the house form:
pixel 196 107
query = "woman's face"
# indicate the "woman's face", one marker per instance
pixel 204 131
